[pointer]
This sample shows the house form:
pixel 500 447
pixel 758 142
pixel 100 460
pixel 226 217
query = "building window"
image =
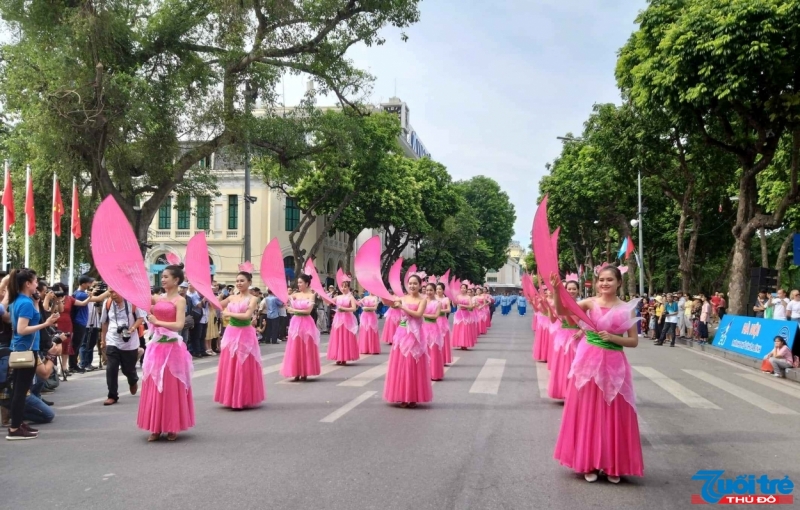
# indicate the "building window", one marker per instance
pixel 184 212
pixel 205 162
pixel 203 213
pixel 491 279
pixel 292 214
pixel 165 215
pixel 233 212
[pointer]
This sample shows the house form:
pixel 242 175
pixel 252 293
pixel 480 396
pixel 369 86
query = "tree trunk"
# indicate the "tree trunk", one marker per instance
pixel 348 254
pixel 781 262
pixel 762 234
pixel 740 275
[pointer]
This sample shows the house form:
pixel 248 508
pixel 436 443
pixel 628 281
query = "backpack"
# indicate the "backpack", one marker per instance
pixel 131 314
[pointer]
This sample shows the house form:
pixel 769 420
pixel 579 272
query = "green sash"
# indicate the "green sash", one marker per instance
pixel 429 320
pixel 240 323
pixel 594 339
pixel 567 325
pixel 166 340
pixel 403 323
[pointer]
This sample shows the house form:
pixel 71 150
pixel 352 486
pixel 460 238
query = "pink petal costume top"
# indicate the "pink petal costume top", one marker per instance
pixel 392 320
pixel 166 350
pixel 462 315
pixel 369 320
pixel 240 336
pixel 408 338
pixel 606 365
pixel 303 326
pixel 444 325
pixel 344 319
pixel 431 331
pixel 408 378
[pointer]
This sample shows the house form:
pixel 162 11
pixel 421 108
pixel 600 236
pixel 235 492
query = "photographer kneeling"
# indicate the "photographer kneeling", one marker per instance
pixel 119 337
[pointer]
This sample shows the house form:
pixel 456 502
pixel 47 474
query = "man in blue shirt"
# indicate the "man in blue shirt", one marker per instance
pixel 80 323
pixel 670 320
pixel 273 317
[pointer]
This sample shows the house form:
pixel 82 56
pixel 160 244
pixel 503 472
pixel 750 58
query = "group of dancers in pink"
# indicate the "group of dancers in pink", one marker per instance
pixel 588 370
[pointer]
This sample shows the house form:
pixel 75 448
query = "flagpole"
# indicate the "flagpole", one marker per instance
pixel 53 236
pixel 5 224
pixel 72 243
pixel 27 219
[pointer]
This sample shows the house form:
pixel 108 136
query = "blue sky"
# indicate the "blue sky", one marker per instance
pixel 491 84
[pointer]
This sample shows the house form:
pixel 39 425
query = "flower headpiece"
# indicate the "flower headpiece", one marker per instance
pixel 247 267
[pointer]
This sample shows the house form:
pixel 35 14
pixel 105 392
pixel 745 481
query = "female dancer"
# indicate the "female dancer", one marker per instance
pixel 473 316
pixel 489 304
pixel 240 383
pixel 599 430
pixel 390 324
pixel 481 311
pixel 432 335
pixel 408 380
pixel 302 348
pixel 444 324
pixel 564 344
pixel 166 405
pixel 462 329
pixel 541 346
pixel 343 345
pixel 368 341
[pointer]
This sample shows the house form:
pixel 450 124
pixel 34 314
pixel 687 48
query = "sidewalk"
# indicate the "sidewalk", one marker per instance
pixel 792 374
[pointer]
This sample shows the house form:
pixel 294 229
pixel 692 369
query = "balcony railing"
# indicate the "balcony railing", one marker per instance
pixel 231 234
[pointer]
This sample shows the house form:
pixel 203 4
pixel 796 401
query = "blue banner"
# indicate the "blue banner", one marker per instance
pixel 753 337
pixel 795 251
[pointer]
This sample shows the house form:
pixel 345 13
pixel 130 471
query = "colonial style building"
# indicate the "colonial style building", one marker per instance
pixel 508 277
pixel 272 215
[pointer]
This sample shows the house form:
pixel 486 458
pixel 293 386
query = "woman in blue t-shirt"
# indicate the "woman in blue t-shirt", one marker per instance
pixel 25 325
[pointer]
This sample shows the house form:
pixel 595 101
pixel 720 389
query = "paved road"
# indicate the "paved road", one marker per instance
pixel 486 442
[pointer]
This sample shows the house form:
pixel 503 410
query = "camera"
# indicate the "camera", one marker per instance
pixel 99 288
pixel 123 331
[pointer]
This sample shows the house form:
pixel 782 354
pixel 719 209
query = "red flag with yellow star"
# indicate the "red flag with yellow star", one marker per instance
pixel 58 208
pixel 76 212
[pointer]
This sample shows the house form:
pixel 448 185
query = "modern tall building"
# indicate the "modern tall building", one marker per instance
pixel 272 215
pixel 508 277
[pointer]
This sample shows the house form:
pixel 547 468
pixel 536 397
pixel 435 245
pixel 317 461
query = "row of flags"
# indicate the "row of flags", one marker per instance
pixel 30 213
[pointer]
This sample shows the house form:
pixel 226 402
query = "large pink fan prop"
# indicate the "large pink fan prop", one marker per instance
pixel 394 277
pixel 368 269
pixel 198 270
pixel 445 280
pixel 272 271
pixel 316 285
pixel 173 259
pixel 547 261
pixel 411 270
pixel 341 278
pixel 117 256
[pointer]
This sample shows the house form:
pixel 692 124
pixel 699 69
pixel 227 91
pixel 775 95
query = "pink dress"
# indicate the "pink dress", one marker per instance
pixel 560 359
pixel 462 327
pixel 368 341
pixel 444 325
pixel 408 378
pixel 482 317
pixel 432 337
pixel 473 323
pixel 166 404
pixel 554 331
pixel 541 342
pixel 240 382
pixel 489 302
pixel 343 344
pixel 599 427
pixel 301 358
pixel 391 320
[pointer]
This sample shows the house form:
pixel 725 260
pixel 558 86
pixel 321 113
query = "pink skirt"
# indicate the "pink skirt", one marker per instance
pixel 171 410
pixel 343 345
pixel 408 379
pixel 239 384
pixel 437 363
pixel 301 358
pixel 448 350
pixel 368 341
pixel 560 362
pixel 597 436
pixel 462 335
pixel 541 344
pixel 389 329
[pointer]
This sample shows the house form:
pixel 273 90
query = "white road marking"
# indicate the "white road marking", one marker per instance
pixel 774 383
pixel 488 380
pixel 81 404
pixel 367 376
pixel 348 407
pixel 649 434
pixel 737 391
pixel 676 389
pixel 447 367
pixel 715 358
pixel 542 378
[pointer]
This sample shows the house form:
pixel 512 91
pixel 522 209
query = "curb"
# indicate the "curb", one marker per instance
pixel 792 374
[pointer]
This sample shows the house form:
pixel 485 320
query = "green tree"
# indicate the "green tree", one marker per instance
pixel 111 91
pixel 730 70
pixel 495 214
